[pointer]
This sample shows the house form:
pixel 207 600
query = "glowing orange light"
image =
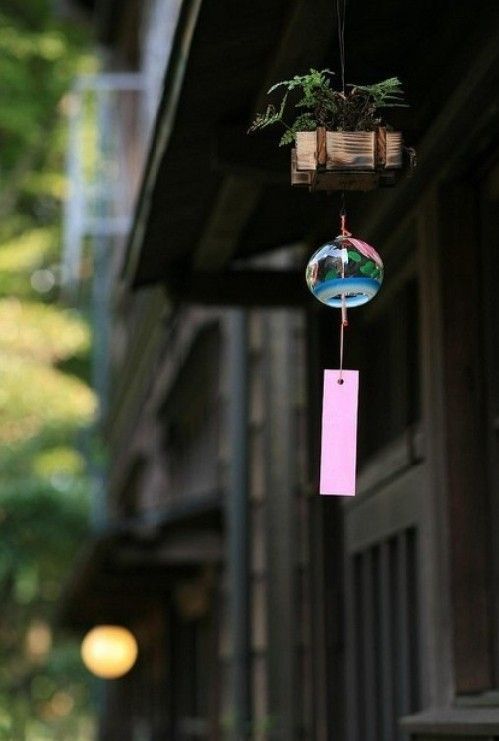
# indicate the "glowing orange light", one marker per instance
pixel 109 651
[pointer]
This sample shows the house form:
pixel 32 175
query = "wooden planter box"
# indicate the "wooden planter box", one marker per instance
pixel 346 160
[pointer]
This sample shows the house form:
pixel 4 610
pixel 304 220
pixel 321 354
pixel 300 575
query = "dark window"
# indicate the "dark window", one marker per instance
pixel 190 419
pixel 383 584
pixel 386 351
pixel 382 342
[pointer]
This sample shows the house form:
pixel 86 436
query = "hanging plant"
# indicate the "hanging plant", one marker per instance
pixel 356 109
pixel 341 130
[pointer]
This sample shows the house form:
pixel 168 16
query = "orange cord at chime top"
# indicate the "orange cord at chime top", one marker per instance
pixel 344 230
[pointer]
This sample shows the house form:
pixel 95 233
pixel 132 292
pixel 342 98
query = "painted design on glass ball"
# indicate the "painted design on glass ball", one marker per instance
pixel 345 267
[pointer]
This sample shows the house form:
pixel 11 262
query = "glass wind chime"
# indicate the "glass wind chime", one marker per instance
pixel 344 273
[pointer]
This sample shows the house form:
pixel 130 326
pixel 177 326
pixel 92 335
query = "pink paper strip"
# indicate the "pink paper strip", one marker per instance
pixel 339 433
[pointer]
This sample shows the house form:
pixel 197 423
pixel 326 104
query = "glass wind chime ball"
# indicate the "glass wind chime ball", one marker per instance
pixel 345 267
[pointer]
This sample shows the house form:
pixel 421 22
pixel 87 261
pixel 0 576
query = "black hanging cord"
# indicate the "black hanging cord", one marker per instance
pixel 340 15
pixel 341 6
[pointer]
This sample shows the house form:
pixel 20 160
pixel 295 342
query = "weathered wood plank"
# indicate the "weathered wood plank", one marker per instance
pixel 281 526
pixel 299 177
pixel 351 150
pixel 306 150
pixel 329 180
pixel 465 437
pixel 368 622
pixel 459 722
pixel 394 149
pixel 385 616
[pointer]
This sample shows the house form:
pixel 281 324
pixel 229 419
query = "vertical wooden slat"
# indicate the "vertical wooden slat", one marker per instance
pixel 490 314
pixel 380 159
pixel 414 610
pixel 353 611
pixel 382 647
pixel 433 564
pixel 379 659
pixel 321 146
pixel 399 391
pixel 318 621
pixel 466 441
pixel 403 705
pixel 280 507
pixel 386 649
pixel 368 620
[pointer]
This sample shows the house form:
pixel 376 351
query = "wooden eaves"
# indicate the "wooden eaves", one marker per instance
pixel 133 562
pixel 212 196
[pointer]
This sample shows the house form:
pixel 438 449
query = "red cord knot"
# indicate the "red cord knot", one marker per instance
pixel 344 230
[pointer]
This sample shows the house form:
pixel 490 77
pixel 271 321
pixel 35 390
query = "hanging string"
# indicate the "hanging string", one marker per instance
pixel 344 317
pixel 342 333
pixel 340 15
pixel 343 325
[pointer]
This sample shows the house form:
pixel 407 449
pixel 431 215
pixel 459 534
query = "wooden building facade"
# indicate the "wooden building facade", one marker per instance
pixel 262 610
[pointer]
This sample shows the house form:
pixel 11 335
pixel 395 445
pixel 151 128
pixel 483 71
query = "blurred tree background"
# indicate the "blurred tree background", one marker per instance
pixel 45 399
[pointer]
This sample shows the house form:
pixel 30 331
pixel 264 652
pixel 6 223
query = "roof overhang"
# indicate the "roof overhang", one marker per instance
pixel 213 196
pixel 205 177
pixel 132 564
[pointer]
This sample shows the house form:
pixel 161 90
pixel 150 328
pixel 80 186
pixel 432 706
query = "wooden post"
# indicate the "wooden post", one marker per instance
pixel 466 441
pixel 380 152
pixel 321 147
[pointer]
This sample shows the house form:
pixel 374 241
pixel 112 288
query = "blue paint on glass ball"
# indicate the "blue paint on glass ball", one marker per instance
pixel 345 269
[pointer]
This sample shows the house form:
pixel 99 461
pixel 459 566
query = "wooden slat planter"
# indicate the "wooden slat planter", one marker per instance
pixel 346 160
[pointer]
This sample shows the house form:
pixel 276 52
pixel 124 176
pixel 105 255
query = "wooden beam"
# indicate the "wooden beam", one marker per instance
pixel 236 202
pixel 242 288
pixel 179 549
pixel 239 195
pixel 464 126
pixel 171 96
pixel 254 157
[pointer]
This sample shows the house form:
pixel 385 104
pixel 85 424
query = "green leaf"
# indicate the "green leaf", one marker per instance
pixel 331 274
pixel 354 256
pixel 368 268
pixel 385 94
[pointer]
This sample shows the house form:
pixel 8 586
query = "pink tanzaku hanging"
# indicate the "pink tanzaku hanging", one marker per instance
pixel 339 433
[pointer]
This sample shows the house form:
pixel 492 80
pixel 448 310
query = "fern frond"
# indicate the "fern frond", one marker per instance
pixel 305 122
pixel 314 78
pixel 385 94
pixel 355 110
pixel 270 117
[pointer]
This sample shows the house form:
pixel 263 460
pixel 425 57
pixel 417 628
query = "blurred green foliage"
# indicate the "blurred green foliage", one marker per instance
pixel 44 408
